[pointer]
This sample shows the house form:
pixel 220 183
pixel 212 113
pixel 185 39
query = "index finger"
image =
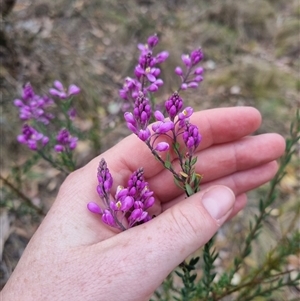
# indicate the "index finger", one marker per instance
pixel 216 126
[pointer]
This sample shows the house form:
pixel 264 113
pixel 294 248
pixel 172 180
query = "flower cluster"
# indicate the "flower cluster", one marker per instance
pixel 176 121
pixel 32 138
pixel 146 73
pixel 129 206
pixel 34 111
pixel 65 141
pixel 60 91
pixel 172 122
pixel 33 106
pixel 193 74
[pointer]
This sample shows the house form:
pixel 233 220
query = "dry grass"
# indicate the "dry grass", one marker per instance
pixel 251 58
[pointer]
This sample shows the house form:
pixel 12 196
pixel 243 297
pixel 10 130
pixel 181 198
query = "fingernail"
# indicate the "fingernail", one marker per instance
pixel 219 201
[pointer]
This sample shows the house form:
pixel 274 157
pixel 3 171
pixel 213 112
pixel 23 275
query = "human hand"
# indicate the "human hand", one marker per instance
pixel 74 256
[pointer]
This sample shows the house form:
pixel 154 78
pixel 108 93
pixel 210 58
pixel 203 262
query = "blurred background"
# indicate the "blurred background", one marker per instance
pixel 251 50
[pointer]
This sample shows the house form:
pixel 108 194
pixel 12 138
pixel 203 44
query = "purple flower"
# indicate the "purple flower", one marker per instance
pixel 130 88
pixel 191 137
pixel 199 71
pixel 193 74
pixel 32 138
pixel 162 127
pixel 178 71
pixel 108 218
pixel 137 215
pixel 60 92
pixel 142 110
pixel 33 106
pixel 28 92
pixel 65 141
pixel 173 105
pixel 139 120
pixel 130 204
pixel 72 113
pixel 105 180
pixel 161 57
pixel 93 207
pixel 196 56
pixel 149 73
pixel 152 41
pixel 162 146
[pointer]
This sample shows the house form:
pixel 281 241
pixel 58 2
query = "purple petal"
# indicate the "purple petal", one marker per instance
pixel 193 85
pixel 165 127
pixel 152 88
pixel 178 71
pixel 153 41
pixel 144 135
pixel 73 90
pixel 130 118
pixel 159 116
pixel 93 207
pixel 162 146
pixel 186 60
pixel 58 148
pixel 184 86
pixel 127 203
pixel 161 57
pixel 151 77
pixel 108 219
pixel 18 103
pixel 198 71
pixel 58 85
pixel 22 139
pixel 149 203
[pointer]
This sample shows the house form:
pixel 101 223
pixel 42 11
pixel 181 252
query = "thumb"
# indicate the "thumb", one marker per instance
pixel 161 244
pixel 187 226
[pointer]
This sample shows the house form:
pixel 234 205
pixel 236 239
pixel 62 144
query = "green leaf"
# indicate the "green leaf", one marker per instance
pixel 194 160
pixel 188 189
pixel 168 164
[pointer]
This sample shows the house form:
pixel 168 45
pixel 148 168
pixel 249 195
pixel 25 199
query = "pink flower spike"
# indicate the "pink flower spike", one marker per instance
pixel 162 147
pixel 94 208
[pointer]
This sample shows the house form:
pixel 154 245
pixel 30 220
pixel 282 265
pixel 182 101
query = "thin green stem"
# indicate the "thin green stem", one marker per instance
pixel 20 194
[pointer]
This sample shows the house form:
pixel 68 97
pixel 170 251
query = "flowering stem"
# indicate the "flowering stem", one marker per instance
pixel 185 78
pixel 22 196
pixel 158 157
pixel 52 163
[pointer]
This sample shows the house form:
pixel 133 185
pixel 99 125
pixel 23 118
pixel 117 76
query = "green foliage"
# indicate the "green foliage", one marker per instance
pixel 264 280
